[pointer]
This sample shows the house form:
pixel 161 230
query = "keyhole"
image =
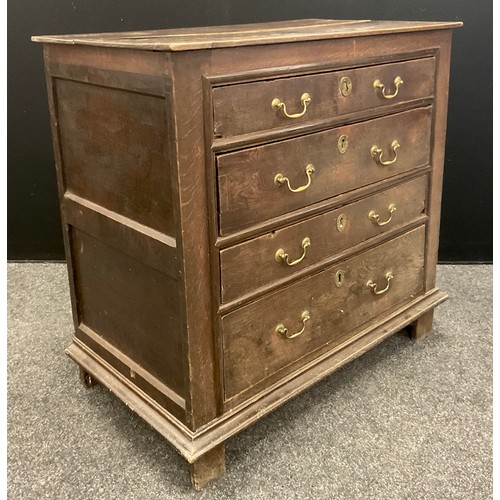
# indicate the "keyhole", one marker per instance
pixel 339 278
pixel 345 86
pixel 343 142
pixel 341 221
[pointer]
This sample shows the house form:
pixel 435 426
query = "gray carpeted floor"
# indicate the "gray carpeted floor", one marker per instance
pixel 405 421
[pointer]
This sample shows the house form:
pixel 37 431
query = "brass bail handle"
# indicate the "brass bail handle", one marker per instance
pixel 388 276
pixel 280 179
pixel 375 217
pixel 282 256
pixel 379 86
pixel 377 153
pixel 283 330
pixel 279 105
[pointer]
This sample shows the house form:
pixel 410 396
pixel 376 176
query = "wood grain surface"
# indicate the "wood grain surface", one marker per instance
pixel 248 194
pixel 245 108
pixel 253 350
pixel 114 145
pixel 241 35
pixel 209 467
pixel 437 158
pixel 134 307
pixel 188 140
pixel 239 262
pixel 171 217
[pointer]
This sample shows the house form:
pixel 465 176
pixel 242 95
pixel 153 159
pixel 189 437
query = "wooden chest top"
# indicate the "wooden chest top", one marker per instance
pixel 244 34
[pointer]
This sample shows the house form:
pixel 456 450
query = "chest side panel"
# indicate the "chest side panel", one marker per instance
pixel 111 117
pixel 115 151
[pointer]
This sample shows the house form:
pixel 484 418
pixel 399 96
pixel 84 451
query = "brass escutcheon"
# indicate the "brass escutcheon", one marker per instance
pixel 342 144
pixel 339 278
pixel 345 86
pixel 341 222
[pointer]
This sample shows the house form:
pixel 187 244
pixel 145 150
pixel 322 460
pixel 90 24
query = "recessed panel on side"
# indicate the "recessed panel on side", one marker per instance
pixel 131 306
pixel 115 151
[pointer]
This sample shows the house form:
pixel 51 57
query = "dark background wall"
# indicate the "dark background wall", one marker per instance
pixel 33 217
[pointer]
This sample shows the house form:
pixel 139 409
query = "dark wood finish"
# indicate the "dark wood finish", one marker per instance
pixel 315 209
pixel 422 326
pixel 238 263
pixel 114 147
pixel 157 212
pixel 114 233
pixel 245 108
pixel 87 379
pixel 209 467
pixel 246 178
pixel 201 366
pixel 227 307
pixel 124 69
pixel 437 160
pixel 142 379
pixel 193 445
pixel 132 305
pixel 153 248
pixel 249 34
pixel 253 350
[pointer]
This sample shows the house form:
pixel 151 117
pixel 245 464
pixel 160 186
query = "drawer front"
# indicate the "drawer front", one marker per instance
pixel 254 336
pixel 252 191
pixel 244 108
pixel 318 238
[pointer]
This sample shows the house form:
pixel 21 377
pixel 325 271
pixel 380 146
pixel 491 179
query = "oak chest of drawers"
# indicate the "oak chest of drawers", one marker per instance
pixel 245 209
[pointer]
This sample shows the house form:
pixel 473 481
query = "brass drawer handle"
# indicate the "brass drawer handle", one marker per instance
pixel 378 85
pixel 373 285
pixel 283 330
pixel 282 256
pixel 280 179
pixel 305 100
pixel 377 152
pixel 376 217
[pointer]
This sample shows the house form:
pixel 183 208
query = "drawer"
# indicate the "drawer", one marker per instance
pixel 254 336
pixel 248 107
pixel 249 184
pixel 318 238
